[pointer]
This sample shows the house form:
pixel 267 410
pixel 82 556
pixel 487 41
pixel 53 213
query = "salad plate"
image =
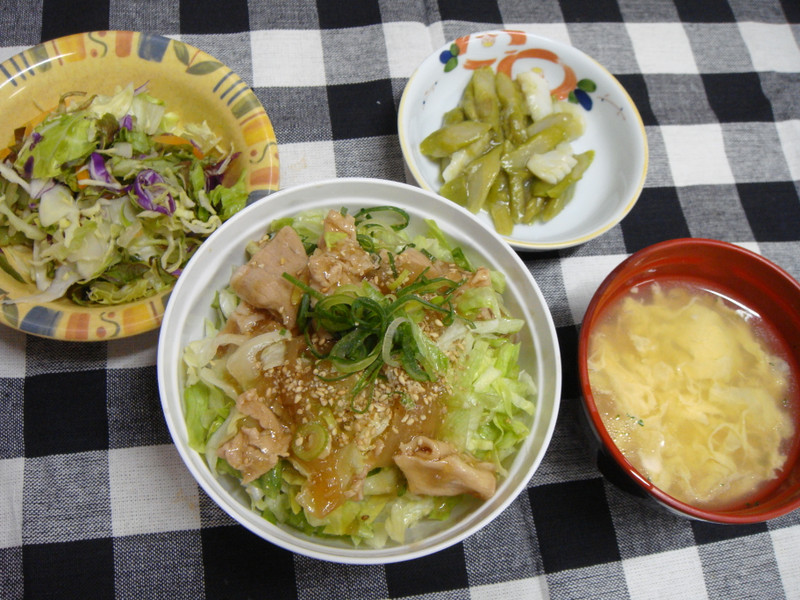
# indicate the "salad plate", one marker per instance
pixel 195 86
pixel 614 131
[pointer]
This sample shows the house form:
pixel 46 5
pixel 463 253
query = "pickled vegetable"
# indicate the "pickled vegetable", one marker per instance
pixel 505 148
pixel 487 106
pixel 450 138
pixel 554 165
pixel 512 109
pixel 541 143
pixel 480 177
pixel 499 203
pixel 537 94
pixel 582 162
pixel 459 160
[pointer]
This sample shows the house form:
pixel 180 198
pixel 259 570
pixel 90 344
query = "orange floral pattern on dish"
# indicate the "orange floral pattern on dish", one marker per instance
pixel 570 87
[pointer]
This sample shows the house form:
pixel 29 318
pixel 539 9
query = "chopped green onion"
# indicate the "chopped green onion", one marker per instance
pixel 369 213
pixel 366 242
pixel 303 312
pixel 304 286
pixel 310 440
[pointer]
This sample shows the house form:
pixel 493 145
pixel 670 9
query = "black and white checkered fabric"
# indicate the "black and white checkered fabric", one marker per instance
pixel 96 503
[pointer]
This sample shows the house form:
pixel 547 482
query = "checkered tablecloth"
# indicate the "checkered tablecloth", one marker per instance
pixel 94 499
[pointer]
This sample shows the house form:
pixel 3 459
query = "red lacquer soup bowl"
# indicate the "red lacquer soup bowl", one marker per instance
pixel 751 285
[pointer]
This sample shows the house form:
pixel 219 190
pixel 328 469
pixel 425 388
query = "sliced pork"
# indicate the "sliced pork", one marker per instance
pixel 436 468
pixel 255 450
pixel 342 262
pixel 260 282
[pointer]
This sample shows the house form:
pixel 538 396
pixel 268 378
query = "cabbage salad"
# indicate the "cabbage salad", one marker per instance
pixel 105 198
pixel 356 379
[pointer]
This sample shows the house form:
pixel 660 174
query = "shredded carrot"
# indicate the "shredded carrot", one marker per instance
pixel 83 175
pixel 176 140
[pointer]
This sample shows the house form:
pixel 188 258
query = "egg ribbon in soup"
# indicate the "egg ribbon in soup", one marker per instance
pixel 692 394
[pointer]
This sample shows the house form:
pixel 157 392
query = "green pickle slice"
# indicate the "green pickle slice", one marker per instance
pixel 484 146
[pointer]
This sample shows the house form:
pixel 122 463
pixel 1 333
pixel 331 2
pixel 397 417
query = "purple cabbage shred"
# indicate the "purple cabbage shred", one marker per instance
pixel 28 168
pixel 36 137
pixel 97 168
pixel 215 173
pixel 146 183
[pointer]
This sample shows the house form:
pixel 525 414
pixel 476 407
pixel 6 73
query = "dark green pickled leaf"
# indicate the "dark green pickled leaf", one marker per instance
pixel 107 127
pixel 124 272
pixel 6 266
pixel 79 294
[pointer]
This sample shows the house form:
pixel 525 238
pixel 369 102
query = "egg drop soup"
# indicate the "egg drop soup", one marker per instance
pixel 696 393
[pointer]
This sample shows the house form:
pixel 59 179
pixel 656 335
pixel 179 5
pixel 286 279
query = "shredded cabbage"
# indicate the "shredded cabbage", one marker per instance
pixel 113 195
pixel 488 409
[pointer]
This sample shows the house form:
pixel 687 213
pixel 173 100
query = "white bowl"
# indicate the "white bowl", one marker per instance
pixel 210 270
pixel 614 130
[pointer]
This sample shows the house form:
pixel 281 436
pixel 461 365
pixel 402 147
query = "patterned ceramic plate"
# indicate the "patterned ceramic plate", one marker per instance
pixel 614 129
pixel 193 84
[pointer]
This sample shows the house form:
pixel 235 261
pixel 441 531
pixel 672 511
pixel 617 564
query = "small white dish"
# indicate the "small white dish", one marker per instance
pixel 614 129
pixel 210 269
